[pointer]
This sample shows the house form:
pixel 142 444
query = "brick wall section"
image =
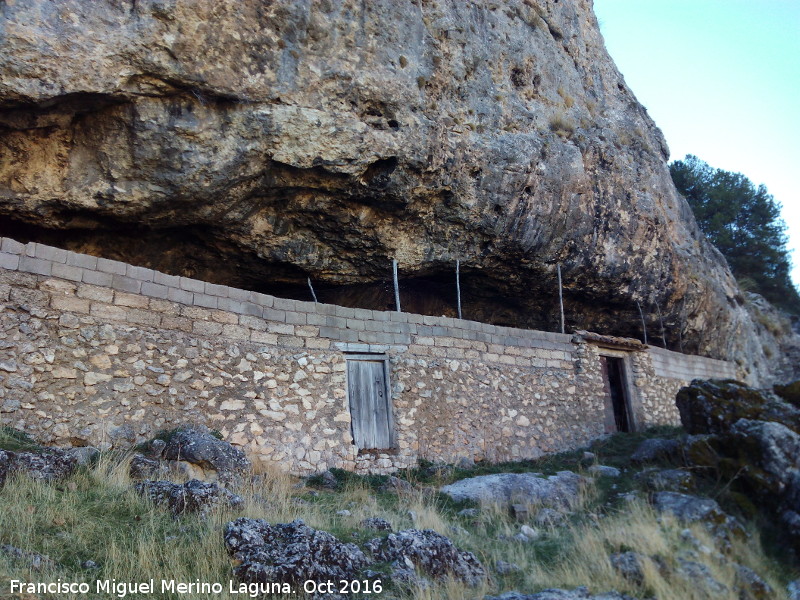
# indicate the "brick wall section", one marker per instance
pixel 100 352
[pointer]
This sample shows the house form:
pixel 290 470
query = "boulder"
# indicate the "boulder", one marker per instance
pixel 713 406
pixel 629 565
pixel 215 458
pixel 674 480
pixel 376 524
pixel 47 465
pixel 289 553
pixel 604 471
pixel 751 586
pixel 560 491
pixel 700 576
pixel 430 552
pixel 191 497
pixel 693 509
pixel 655 449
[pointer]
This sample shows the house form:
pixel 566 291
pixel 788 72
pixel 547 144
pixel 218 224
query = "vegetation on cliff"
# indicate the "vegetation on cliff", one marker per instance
pixel 744 222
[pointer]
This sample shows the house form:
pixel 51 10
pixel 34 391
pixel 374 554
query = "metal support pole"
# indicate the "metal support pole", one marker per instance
pixel 458 286
pixel 561 298
pixel 396 286
pixel 661 323
pixel 644 326
pixel 311 287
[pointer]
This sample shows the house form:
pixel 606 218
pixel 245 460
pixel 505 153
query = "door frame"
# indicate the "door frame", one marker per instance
pixel 629 390
pixel 384 359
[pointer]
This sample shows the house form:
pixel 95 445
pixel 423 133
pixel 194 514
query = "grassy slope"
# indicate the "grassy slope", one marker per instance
pixel 95 516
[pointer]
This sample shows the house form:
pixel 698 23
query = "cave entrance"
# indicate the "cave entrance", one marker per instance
pixel 617 406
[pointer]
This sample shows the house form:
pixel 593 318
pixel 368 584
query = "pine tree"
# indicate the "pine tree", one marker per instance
pixel 744 222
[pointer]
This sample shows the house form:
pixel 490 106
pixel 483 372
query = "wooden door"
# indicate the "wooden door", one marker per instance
pixel 370 409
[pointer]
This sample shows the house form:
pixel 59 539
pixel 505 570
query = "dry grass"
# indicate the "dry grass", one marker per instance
pixel 95 515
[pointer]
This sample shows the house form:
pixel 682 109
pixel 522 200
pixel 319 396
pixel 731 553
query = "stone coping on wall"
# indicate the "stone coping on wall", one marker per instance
pixel 284 317
pixel 141 296
pixel 675 365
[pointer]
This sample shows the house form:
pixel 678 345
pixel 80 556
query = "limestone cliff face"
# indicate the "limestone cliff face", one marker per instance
pixel 257 143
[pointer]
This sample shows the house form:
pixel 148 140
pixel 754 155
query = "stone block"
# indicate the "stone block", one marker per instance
pixel 251 322
pixel 84 261
pixel 224 317
pixel 236 332
pixel 333 333
pixel 126 284
pixel 205 301
pixel 38 266
pixel 316 319
pixel 207 328
pixel 95 292
pixel 143 317
pixel 171 281
pixel 97 277
pixel 110 312
pixel 180 296
pixel 192 285
pixel 239 295
pixel 270 314
pixel 70 304
pixel 131 300
pixel 339 322
pixel 12 246
pixel 56 255
pixel 355 324
pixel 284 304
pixel 305 306
pixel 252 309
pixel 165 307
pixel 325 309
pixel 176 323
pixel 111 266
pixel 315 343
pixel 214 289
pixel 280 328
pixel 291 341
pixel 9 261
pixel 306 331
pixel 140 273
pixel 345 311
pixel 296 318
pixel 370 337
pixel 154 290
pixel 264 338
pixel 363 314
pixel 264 300
pixel 234 306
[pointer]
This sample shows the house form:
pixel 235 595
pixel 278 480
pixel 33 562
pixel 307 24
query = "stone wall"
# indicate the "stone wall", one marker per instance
pixel 95 351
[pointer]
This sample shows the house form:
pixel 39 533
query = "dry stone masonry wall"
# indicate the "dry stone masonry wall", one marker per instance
pixel 99 352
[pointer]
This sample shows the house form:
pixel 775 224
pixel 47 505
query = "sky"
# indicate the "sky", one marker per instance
pixel 721 78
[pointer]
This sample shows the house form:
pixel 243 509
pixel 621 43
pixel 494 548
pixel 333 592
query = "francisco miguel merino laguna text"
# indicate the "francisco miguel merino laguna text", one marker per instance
pixel 121 589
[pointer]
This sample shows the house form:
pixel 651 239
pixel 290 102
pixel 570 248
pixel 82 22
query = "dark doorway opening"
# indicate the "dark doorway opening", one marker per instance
pixel 617 404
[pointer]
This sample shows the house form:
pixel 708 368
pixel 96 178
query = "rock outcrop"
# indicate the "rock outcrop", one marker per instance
pixel 191 497
pixel 429 552
pixel 299 139
pixel 289 553
pixel 749 437
pixel 560 491
pixel 48 465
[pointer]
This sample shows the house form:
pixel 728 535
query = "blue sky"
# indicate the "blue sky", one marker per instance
pixel 721 78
